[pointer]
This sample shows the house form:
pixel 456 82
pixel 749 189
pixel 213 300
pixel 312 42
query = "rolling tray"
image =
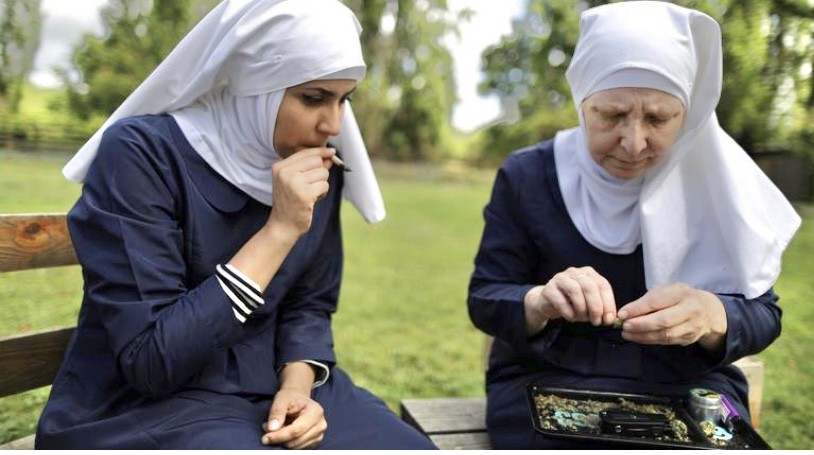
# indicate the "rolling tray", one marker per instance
pixel 608 418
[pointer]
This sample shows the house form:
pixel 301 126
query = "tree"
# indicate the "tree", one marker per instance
pixel 527 71
pixel 20 25
pixel 768 91
pixel 405 103
pixel 139 35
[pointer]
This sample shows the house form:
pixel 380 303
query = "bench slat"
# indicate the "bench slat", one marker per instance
pixel 24 443
pixel 462 441
pixel 29 241
pixel 451 423
pixel 32 360
pixel 445 415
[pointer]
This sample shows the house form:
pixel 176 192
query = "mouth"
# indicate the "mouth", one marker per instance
pixel 631 164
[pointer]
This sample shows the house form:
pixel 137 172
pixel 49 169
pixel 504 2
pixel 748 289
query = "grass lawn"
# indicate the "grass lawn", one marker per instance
pixel 402 329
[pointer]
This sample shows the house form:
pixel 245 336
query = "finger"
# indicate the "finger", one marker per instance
pixel 681 334
pixel 277 413
pixel 558 302
pixel 608 302
pixel 657 320
pixel 313 424
pixel 303 163
pixel 653 300
pixel 572 289
pixel 317 190
pixel 310 439
pixel 670 326
pixel 323 153
pixel 604 301
pixel 297 428
pixel 593 296
pixel 319 174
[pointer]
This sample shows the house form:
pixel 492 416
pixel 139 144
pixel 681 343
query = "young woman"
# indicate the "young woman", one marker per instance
pixel 209 237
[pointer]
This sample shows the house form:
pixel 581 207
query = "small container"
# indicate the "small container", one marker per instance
pixel 705 405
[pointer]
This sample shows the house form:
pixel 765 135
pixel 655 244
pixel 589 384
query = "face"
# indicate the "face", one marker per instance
pixel 631 130
pixel 309 114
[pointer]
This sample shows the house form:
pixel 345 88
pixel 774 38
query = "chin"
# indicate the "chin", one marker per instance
pixel 627 174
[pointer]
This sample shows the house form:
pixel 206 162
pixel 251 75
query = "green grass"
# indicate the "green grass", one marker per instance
pixel 402 329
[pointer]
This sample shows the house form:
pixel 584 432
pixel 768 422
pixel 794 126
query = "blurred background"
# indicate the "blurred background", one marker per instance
pixel 453 87
pixel 464 80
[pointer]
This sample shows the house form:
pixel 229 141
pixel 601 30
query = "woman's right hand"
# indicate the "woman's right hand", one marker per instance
pixel 295 421
pixel 299 181
pixel 578 294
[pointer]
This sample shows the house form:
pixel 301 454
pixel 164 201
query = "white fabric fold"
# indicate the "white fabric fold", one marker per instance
pixel 254 48
pixel 708 215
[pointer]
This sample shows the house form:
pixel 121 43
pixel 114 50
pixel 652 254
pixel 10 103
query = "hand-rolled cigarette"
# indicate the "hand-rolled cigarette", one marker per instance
pixel 341 164
pixel 617 324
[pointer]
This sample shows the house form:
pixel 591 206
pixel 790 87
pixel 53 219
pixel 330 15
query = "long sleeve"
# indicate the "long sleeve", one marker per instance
pixel 305 317
pixel 752 324
pixel 503 268
pixel 130 242
pixel 528 237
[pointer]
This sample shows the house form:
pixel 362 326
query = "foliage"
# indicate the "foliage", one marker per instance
pixel 20 24
pixel 138 37
pixel 405 103
pixel 504 138
pixel 767 97
pixel 749 89
pixel 42 124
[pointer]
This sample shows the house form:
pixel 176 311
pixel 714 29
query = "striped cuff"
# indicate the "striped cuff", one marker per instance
pixel 242 291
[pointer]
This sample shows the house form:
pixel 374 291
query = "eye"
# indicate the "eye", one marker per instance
pixel 312 100
pixel 347 98
pixel 613 117
pixel 656 120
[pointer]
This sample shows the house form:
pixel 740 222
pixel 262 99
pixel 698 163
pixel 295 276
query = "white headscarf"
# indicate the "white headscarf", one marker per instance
pixel 238 61
pixel 707 215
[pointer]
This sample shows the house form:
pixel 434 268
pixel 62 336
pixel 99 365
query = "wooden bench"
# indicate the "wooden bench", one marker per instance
pixel 30 361
pixel 460 423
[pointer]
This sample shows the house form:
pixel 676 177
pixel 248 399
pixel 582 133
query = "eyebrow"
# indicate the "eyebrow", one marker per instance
pixel 329 93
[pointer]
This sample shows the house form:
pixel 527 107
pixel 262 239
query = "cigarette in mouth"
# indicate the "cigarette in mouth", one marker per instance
pixel 341 164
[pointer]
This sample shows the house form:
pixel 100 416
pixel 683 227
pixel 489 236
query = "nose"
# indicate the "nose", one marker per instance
pixel 331 119
pixel 633 138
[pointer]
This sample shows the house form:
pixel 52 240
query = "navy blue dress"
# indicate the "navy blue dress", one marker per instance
pixel 158 360
pixel 527 239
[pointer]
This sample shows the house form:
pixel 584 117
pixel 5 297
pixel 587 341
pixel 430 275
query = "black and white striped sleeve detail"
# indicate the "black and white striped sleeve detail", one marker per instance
pixel 242 291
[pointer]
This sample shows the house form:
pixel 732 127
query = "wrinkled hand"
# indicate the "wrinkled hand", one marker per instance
pixel 299 181
pixel 576 295
pixel 676 314
pixel 295 421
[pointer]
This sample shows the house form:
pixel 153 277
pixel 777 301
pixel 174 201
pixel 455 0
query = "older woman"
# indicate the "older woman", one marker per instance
pixel 209 237
pixel 647 215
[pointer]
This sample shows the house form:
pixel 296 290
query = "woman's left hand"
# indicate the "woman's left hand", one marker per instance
pixel 295 421
pixel 676 314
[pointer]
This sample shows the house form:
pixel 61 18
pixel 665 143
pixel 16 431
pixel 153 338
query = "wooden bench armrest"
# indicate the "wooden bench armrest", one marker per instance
pixel 30 361
pixel 35 240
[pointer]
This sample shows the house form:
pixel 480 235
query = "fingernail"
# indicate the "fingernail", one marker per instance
pixel 265 441
pixel 274 424
pixel 622 315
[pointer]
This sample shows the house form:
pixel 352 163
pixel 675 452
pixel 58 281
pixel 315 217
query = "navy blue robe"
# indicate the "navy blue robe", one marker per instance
pixel 158 360
pixel 528 238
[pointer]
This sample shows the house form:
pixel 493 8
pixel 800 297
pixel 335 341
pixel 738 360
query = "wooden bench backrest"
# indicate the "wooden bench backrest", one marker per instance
pixel 29 241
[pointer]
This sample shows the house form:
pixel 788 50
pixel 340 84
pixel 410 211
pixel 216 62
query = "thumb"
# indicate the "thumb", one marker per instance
pixel 277 414
pixel 651 301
